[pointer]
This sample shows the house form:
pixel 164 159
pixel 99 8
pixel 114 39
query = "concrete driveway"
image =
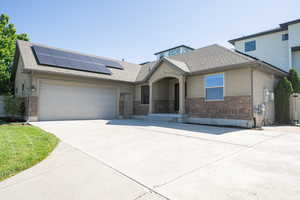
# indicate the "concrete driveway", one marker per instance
pixel 129 159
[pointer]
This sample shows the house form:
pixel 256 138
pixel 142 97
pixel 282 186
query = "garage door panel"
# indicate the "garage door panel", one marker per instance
pixel 66 102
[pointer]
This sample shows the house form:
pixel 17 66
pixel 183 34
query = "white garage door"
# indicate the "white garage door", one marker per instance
pixel 66 102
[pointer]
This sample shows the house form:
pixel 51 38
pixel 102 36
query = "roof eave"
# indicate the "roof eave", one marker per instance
pixel 232 41
pixel 76 75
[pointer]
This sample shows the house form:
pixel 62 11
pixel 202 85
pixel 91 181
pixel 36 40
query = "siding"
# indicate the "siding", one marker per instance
pixel 22 78
pixel 237 83
pixel 296 60
pixel 269 48
pixel 261 81
pixel 123 87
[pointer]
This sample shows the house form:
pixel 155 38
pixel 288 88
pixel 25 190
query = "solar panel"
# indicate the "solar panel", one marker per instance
pixel 47 57
pixel 74 56
pixel 107 63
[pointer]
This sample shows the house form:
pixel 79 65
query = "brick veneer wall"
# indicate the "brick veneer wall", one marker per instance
pixel 161 106
pixel 164 106
pixel 172 106
pixel 236 107
pixel 140 109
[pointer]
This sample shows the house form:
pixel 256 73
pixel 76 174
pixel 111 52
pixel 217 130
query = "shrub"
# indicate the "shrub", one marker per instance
pixel 283 91
pixel 294 79
pixel 14 107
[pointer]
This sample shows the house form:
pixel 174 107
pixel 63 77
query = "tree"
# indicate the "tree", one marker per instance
pixel 283 91
pixel 294 79
pixel 8 37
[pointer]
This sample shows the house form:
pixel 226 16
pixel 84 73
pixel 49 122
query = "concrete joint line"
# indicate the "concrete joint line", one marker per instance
pixel 140 196
pixel 119 172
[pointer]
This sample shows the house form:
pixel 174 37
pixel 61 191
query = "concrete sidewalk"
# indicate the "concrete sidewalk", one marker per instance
pixel 71 174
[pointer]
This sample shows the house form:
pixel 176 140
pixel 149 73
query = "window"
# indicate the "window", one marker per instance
pixel 174 52
pixel 250 46
pixel 285 37
pixel 214 87
pixel 145 94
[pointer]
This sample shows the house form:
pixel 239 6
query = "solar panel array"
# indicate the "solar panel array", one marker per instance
pixel 62 59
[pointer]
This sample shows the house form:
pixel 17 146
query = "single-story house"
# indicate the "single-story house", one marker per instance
pixel 209 85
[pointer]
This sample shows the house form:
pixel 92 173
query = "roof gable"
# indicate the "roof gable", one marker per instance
pixel 174 67
pixel 164 69
pixel 210 57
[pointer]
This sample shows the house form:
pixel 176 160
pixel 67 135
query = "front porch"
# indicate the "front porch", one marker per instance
pixel 167 96
pixel 163 96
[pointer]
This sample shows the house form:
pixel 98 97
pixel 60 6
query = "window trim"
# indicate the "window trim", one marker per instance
pixel 254 41
pixel 205 99
pixel 142 102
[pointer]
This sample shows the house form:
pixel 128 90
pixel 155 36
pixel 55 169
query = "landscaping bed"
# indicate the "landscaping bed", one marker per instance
pixel 22 146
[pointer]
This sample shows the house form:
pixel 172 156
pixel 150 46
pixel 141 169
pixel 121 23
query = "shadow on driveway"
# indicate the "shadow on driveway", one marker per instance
pixel 215 130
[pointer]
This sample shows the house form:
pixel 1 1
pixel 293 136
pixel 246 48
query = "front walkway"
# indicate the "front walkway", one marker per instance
pixel 130 159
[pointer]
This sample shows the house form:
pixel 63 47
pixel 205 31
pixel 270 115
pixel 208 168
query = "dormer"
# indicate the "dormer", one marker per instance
pixel 173 51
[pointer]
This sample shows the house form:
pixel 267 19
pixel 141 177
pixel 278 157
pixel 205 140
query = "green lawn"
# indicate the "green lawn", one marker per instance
pixel 22 146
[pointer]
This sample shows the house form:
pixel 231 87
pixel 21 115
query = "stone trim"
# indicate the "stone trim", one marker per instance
pixel 235 107
pixel 221 122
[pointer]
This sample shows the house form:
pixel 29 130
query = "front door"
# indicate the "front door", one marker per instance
pixel 176 97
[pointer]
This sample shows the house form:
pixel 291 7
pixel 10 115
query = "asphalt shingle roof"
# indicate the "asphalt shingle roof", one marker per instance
pixel 128 74
pixel 198 60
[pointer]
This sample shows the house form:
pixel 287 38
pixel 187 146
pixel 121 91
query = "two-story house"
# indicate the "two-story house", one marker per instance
pixel 279 46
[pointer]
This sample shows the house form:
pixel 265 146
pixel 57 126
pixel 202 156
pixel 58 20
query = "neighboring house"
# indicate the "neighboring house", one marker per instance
pixel 209 85
pixel 279 46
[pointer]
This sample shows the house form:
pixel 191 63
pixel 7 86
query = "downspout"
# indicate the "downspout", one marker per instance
pixel 252 99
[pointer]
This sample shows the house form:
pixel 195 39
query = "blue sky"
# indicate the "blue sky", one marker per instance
pixel 136 29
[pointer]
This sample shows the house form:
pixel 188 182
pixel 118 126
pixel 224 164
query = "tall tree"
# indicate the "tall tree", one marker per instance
pixel 295 80
pixel 8 37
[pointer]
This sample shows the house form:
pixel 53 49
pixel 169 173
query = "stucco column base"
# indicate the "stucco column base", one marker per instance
pixel 150 98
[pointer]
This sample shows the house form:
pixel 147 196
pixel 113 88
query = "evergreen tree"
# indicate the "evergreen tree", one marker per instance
pixel 283 91
pixel 294 79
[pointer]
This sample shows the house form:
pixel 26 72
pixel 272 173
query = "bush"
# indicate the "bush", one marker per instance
pixel 14 107
pixel 283 91
pixel 294 79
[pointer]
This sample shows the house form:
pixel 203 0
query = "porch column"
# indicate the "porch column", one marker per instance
pixel 150 98
pixel 182 95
